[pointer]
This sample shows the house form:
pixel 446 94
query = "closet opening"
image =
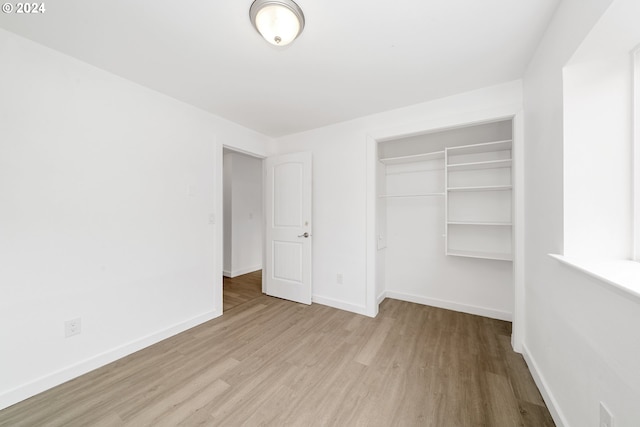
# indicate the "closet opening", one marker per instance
pixel 444 219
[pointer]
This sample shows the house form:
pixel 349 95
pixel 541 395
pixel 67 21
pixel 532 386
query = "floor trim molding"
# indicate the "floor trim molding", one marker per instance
pixel 450 305
pixel 342 305
pixel 63 375
pixel 547 396
pixel 241 271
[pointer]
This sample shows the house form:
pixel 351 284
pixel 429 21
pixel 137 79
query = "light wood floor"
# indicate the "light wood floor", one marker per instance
pixel 273 362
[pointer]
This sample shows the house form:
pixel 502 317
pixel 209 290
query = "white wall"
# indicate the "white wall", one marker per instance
pixel 598 87
pixel 243 214
pixel 106 192
pixel 597 135
pixel 340 205
pixel 581 337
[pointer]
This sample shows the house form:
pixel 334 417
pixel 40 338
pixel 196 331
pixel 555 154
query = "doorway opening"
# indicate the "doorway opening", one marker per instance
pixel 241 289
pixel 242 227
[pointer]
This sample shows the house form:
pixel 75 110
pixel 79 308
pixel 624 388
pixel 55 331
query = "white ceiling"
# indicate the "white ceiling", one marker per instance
pixel 354 58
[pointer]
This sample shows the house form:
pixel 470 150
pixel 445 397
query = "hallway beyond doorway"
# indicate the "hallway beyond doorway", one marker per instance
pixel 241 289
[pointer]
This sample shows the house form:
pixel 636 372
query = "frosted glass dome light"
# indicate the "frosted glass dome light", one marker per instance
pixel 278 21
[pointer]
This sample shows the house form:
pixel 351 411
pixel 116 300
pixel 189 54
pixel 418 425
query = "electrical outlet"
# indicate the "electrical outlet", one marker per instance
pixel 339 278
pixel 72 327
pixel 606 419
pixel 212 219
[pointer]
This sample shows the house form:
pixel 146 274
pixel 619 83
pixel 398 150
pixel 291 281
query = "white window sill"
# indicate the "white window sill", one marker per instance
pixel 623 275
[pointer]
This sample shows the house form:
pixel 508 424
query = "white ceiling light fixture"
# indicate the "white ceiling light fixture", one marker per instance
pixel 278 21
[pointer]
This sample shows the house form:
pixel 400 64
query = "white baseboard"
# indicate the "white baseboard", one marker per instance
pixel 342 305
pixel 450 305
pixel 241 271
pixel 53 379
pixel 381 297
pixel 549 400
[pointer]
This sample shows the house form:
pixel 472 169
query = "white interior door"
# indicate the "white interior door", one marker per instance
pixel 288 227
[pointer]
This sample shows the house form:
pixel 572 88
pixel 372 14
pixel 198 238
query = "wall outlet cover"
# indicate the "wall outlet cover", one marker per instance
pixel 72 327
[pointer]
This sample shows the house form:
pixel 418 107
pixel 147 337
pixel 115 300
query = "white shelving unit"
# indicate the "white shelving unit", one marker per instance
pixel 479 201
pixel 475 184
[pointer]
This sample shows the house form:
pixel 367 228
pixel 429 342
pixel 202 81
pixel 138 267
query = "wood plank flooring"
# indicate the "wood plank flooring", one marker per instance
pixel 273 362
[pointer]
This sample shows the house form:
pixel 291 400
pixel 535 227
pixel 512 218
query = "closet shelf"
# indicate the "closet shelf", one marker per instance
pixel 479 254
pixel 436 155
pixel 491 164
pixel 481 148
pixel 405 172
pixel 384 196
pixel 482 188
pixel 483 223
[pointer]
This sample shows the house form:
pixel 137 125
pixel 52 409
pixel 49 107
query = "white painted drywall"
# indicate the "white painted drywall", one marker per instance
pixel 597 145
pixel 106 195
pixel 242 214
pixel 581 337
pixel 340 183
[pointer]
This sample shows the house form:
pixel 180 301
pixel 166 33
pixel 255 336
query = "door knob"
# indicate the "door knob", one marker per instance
pixel 305 235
